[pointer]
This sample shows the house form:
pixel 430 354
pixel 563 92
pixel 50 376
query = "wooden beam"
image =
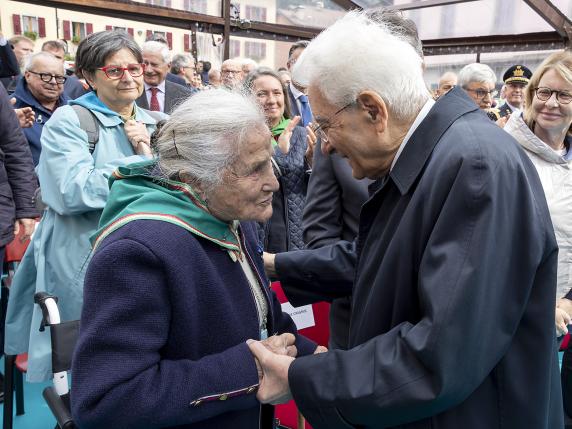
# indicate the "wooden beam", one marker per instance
pixel 424 4
pixel 551 14
pixel 226 33
pixel 347 4
pixel 498 43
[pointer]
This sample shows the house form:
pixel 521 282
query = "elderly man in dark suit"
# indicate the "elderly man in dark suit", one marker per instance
pixel 452 321
pixel 160 94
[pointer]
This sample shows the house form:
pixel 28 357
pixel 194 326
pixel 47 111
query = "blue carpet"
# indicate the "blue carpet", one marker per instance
pixel 37 415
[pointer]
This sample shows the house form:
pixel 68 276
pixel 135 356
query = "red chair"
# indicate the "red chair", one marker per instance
pixel 14 366
pixel 288 413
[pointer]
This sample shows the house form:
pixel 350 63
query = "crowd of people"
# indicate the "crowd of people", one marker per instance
pixel 163 195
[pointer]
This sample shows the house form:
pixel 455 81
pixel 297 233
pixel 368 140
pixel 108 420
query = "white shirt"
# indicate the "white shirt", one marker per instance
pixel 420 117
pixel 296 93
pixel 160 95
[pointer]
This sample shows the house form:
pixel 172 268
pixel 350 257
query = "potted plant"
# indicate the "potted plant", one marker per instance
pixel 31 35
pixel 76 40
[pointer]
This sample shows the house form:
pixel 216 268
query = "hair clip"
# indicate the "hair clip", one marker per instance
pixel 175 144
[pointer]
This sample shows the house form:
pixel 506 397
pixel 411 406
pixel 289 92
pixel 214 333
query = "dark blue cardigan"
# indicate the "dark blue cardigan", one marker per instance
pixel 165 318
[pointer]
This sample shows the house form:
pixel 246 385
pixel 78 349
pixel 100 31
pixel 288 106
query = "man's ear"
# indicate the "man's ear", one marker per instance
pixel 375 108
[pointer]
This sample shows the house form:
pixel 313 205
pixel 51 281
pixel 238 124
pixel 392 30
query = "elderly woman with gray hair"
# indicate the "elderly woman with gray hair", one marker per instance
pixel 73 170
pixel 176 285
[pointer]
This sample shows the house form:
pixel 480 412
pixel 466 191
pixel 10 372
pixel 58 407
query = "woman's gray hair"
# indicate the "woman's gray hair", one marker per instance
pixel 359 53
pixel 205 135
pixel 476 72
pixel 94 50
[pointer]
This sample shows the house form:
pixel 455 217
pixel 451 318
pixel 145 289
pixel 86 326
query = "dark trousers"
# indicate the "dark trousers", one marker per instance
pixel 566 378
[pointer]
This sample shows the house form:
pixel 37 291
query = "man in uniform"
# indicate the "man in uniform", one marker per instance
pixel 515 79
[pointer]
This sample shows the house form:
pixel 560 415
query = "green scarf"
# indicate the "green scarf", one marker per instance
pixel 279 128
pixel 137 194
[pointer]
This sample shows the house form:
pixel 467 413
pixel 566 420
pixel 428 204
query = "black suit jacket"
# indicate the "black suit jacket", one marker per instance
pixel 8 62
pixel 331 214
pixel 174 95
pixel 452 322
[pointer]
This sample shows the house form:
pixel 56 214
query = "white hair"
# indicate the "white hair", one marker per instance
pixel 205 135
pixel 157 47
pixel 360 53
pixel 31 60
pixel 476 72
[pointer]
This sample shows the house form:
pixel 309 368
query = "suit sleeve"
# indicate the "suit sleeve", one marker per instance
pixel 471 285
pixel 8 62
pixel 119 378
pixel 313 275
pixel 322 221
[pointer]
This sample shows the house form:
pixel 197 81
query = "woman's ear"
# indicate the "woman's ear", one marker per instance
pixel 375 108
pixel 89 79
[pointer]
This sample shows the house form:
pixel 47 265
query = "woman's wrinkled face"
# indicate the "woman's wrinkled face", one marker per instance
pixel 248 184
pixel 118 92
pixel 551 115
pixel 270 96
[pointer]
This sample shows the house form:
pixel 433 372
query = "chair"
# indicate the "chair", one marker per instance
pixel 64 337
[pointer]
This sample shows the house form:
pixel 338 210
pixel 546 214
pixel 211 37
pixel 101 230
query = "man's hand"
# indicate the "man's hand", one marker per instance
pixel 28 226
pixel 562 320
pixel 26 116
pixel 269 266
pixel 281 344
pixel 273 374
pixel 138 137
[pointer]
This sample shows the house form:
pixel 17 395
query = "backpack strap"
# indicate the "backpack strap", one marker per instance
pixel 88 123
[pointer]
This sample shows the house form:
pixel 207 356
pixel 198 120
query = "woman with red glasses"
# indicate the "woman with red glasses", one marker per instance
pixel 73 171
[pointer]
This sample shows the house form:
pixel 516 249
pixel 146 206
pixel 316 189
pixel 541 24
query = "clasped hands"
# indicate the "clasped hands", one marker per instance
pixel 138 137
pixel 273 357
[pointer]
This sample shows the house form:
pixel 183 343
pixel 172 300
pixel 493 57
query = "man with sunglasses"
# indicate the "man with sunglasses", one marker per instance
pixel 42 89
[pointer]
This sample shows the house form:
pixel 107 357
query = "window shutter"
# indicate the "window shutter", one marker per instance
pixel 16 24
pixel 42 27
pixel 108 28
pixel 130 31
pixel 263 14
pixel 67 30
pixel 88 28
pixel 186 39
pixel 170 40
pixel 149 35
pixel 169 3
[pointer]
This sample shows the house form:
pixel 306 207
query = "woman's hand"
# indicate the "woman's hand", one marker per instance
pixel 501 122
pixel 284 139
pixel 311 138
pixel 138 137
pixel 562 320
pixel 282 344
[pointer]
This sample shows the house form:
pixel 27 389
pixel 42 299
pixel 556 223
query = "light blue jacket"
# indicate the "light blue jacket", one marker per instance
pixel 75 189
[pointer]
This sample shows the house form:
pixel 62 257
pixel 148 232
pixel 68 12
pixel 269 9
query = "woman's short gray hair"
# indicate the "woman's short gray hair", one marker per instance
pixel 94 50
pixel 359 53
pixel 205 135
pixel 476 72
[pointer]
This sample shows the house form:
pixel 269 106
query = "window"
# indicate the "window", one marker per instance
pixel 197 6
pixel 78 31
pixel 255 50
pixel 164 3
pixel 160 34
pixel 255 13
pixel 120 28
pixel 30 24
pixel 234 48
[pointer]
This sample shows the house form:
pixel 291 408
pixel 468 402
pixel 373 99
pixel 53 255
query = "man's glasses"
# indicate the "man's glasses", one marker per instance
pixel 116 72
pixel 231 71
pixel 47 77
pixel 320 130
pixel 544 94
pixel 481 93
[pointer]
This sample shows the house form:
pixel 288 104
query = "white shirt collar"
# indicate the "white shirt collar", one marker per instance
pixel 160 87
pixel 295 91
pixel 420 117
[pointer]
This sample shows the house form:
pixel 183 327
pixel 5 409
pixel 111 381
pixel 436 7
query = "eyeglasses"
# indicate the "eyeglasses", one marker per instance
pixel 116 72
pixel 47 77
pixel 320 130
pixel 231 71
pixel 481 93
pixel 544 94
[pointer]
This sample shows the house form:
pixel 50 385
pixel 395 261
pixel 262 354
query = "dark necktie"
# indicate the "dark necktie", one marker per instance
pixel 154 105
pixel 305 110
